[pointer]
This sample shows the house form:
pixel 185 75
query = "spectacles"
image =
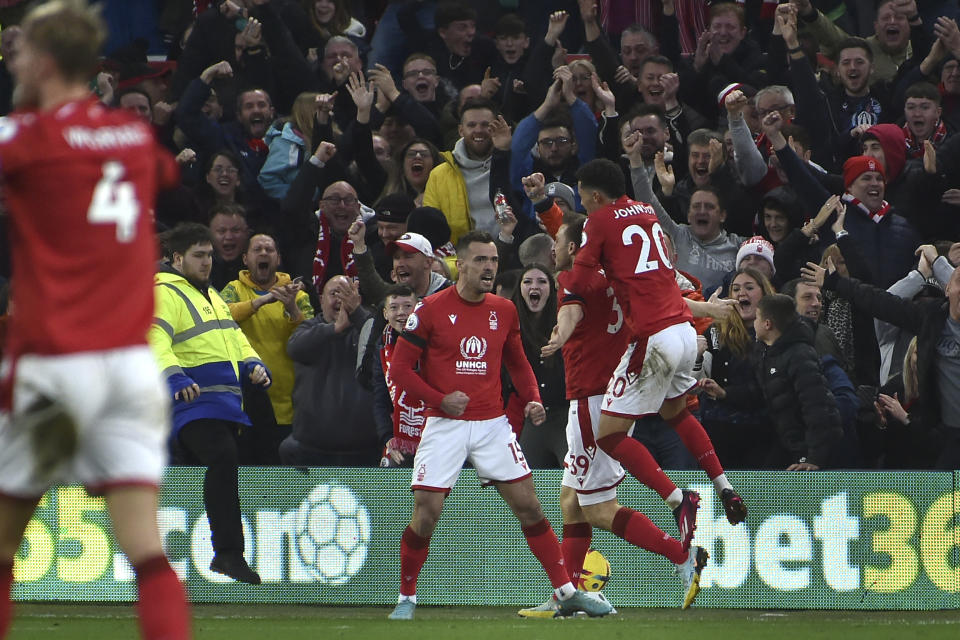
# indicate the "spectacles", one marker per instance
pixel 413 73
pixel 348 201
pixel 765 112
pixel 230 171
pixel 554 142
pixel 416 153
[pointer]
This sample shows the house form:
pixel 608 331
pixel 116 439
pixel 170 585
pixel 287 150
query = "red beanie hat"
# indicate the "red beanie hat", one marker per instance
pixel 854 167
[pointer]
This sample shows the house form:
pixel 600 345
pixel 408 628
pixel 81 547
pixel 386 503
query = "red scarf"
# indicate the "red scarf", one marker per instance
pixel 258 145
pixel 877 216
pixel 322 256
pixel 915 147
pixel 408 415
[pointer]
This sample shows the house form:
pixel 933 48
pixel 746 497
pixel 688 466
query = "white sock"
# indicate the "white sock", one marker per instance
pixel 720 483
pixel 403 598
pixel 675 498
pixel 565 592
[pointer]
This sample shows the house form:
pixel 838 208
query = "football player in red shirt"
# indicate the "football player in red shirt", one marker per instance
pixel 590 329
pixel 460 336
pixel 625 239
pixel 81 399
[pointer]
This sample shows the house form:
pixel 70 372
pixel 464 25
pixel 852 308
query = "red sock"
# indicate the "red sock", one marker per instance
pixel 697 442
pixel 413 553
pixel 162 603
pixel 545 546
pixel 636 528
pixel 576 543
pixel 638 461
pixel 6 606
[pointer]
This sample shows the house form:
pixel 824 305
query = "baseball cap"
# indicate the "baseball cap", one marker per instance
pixel 411 243
pixel 562 191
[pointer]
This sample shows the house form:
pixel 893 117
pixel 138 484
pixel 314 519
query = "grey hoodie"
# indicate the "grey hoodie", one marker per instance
pixel 708 262
pixel 476 175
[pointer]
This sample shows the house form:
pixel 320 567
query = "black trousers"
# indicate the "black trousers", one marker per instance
pixel 213 444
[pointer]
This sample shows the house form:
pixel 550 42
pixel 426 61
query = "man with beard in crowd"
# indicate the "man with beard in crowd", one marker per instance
pixel 460 187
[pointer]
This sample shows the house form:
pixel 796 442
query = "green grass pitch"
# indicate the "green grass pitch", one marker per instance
pixel 286 622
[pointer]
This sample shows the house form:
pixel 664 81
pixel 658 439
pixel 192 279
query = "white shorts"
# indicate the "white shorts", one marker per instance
pixel 119 404
pixel 587 468
pixel 651 371
pixel 445 443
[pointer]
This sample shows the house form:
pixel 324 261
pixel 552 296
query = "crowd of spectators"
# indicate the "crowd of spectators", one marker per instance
pixel 338 149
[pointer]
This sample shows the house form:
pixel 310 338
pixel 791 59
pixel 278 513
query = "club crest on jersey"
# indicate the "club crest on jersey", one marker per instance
pixel 493 321
pixel 412 322
pixel 472 349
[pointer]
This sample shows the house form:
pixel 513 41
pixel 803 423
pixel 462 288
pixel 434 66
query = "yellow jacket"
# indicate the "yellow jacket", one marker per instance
pixel 446 190
pixel 268 329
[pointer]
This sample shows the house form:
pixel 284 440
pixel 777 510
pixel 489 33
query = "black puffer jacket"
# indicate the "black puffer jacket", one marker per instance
pixel 924 318
pixel 798 398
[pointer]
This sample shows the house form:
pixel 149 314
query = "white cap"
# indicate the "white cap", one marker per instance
pixel 411 243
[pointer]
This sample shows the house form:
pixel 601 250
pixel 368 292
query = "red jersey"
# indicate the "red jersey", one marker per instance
pixel 408 413
pixel 594 348
pixel 461 346
pixel 80 183
pixel 626 239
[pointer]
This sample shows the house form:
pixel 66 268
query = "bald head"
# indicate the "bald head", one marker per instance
pixel 330 299
pixel 340 206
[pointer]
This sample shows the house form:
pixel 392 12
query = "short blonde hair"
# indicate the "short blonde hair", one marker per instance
pixel 71 32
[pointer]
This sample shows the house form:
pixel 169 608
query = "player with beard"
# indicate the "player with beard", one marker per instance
pixel 460 337
pixel 81 399
pixel 460 187
pixel 654 373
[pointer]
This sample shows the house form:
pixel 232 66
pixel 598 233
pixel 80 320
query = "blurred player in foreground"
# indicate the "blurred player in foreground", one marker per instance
pixel 80 393
pixel 460 336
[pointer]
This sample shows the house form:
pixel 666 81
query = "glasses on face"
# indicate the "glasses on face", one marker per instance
pixel 768 110
pixel 413 73
pixel 560 141
pixel 230 171
pixel 416 153
pixel 332 201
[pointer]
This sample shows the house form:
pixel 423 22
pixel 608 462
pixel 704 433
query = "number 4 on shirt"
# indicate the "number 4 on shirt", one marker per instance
pixel 115 201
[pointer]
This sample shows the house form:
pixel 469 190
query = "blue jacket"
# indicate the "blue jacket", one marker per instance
pixel 287 151
pixel 525 138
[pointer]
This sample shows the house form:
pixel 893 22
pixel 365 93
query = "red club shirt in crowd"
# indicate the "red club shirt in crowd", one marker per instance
pixel 460 346
pixel 625 238
pixel 594 348
pixel 80 184
pixel 408 414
